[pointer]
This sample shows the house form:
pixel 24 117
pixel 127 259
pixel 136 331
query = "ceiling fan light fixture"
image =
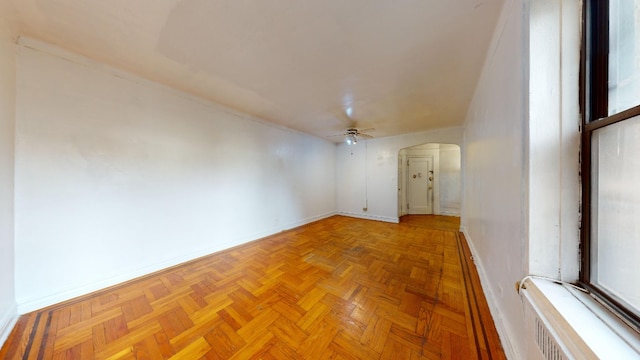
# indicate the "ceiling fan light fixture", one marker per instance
pixel 351 139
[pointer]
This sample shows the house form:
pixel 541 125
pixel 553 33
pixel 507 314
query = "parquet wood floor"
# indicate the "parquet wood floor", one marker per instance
pixel 339 288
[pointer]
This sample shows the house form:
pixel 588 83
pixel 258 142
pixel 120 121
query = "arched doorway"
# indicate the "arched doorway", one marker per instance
pixel 429 180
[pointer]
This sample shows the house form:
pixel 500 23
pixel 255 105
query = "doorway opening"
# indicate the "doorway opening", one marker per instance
pixel 429 180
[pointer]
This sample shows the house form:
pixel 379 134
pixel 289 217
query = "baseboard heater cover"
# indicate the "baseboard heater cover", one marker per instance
pixel 549 335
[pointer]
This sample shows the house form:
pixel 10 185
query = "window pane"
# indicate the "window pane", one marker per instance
pixel 616 210
pixel 624 55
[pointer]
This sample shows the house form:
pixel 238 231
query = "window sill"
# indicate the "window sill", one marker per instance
pixel 584 327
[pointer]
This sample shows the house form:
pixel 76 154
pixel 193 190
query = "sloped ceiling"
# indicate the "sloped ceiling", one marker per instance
pixel 316 66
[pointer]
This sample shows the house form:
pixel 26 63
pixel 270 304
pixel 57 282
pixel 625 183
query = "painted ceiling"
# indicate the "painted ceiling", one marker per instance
pixel 319 67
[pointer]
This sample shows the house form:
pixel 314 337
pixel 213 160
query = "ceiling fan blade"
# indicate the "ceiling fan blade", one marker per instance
pixel 367 129
pixel 352 131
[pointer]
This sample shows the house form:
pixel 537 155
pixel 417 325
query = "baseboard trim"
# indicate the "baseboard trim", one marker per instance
pixel 491 300
pixel 370 217
pixel 26 305
pixel 306 221
pixel 8 320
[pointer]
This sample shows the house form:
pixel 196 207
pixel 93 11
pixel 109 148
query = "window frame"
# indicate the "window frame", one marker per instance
pixel 594 104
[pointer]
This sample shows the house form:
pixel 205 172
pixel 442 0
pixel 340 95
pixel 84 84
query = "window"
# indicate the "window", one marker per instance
pixel 610 155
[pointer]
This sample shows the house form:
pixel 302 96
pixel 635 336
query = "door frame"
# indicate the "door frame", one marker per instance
pixel 403 168
pixel 430 192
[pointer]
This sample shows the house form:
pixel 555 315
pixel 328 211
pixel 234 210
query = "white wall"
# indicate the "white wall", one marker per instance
pixel 7 124
pixel 521 187
pixel 367 173
pixel 450 180
pixel 494 167
pixel 117 177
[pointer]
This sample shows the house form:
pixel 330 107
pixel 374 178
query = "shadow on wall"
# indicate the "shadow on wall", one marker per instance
pixel 429 180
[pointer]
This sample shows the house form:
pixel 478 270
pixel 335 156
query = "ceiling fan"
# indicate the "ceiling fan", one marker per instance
pixel 352 134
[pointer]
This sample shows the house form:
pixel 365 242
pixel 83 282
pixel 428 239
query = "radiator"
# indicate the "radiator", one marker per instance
pixel 543 341
pixel 549 335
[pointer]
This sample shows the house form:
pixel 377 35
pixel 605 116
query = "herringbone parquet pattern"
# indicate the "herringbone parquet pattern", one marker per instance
pixel 340 288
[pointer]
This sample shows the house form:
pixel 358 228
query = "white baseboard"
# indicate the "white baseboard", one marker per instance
pixel 26 305
pixel 8 320
pixel 449 213
pixel 309 220
pixel 370 217
pixel 496 314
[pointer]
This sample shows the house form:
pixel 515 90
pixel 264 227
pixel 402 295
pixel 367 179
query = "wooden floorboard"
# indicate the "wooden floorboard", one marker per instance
pixel 339 288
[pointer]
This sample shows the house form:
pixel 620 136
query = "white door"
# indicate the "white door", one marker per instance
pixel 420 185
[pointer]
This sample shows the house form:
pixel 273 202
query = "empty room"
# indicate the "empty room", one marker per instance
pixel 218 179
